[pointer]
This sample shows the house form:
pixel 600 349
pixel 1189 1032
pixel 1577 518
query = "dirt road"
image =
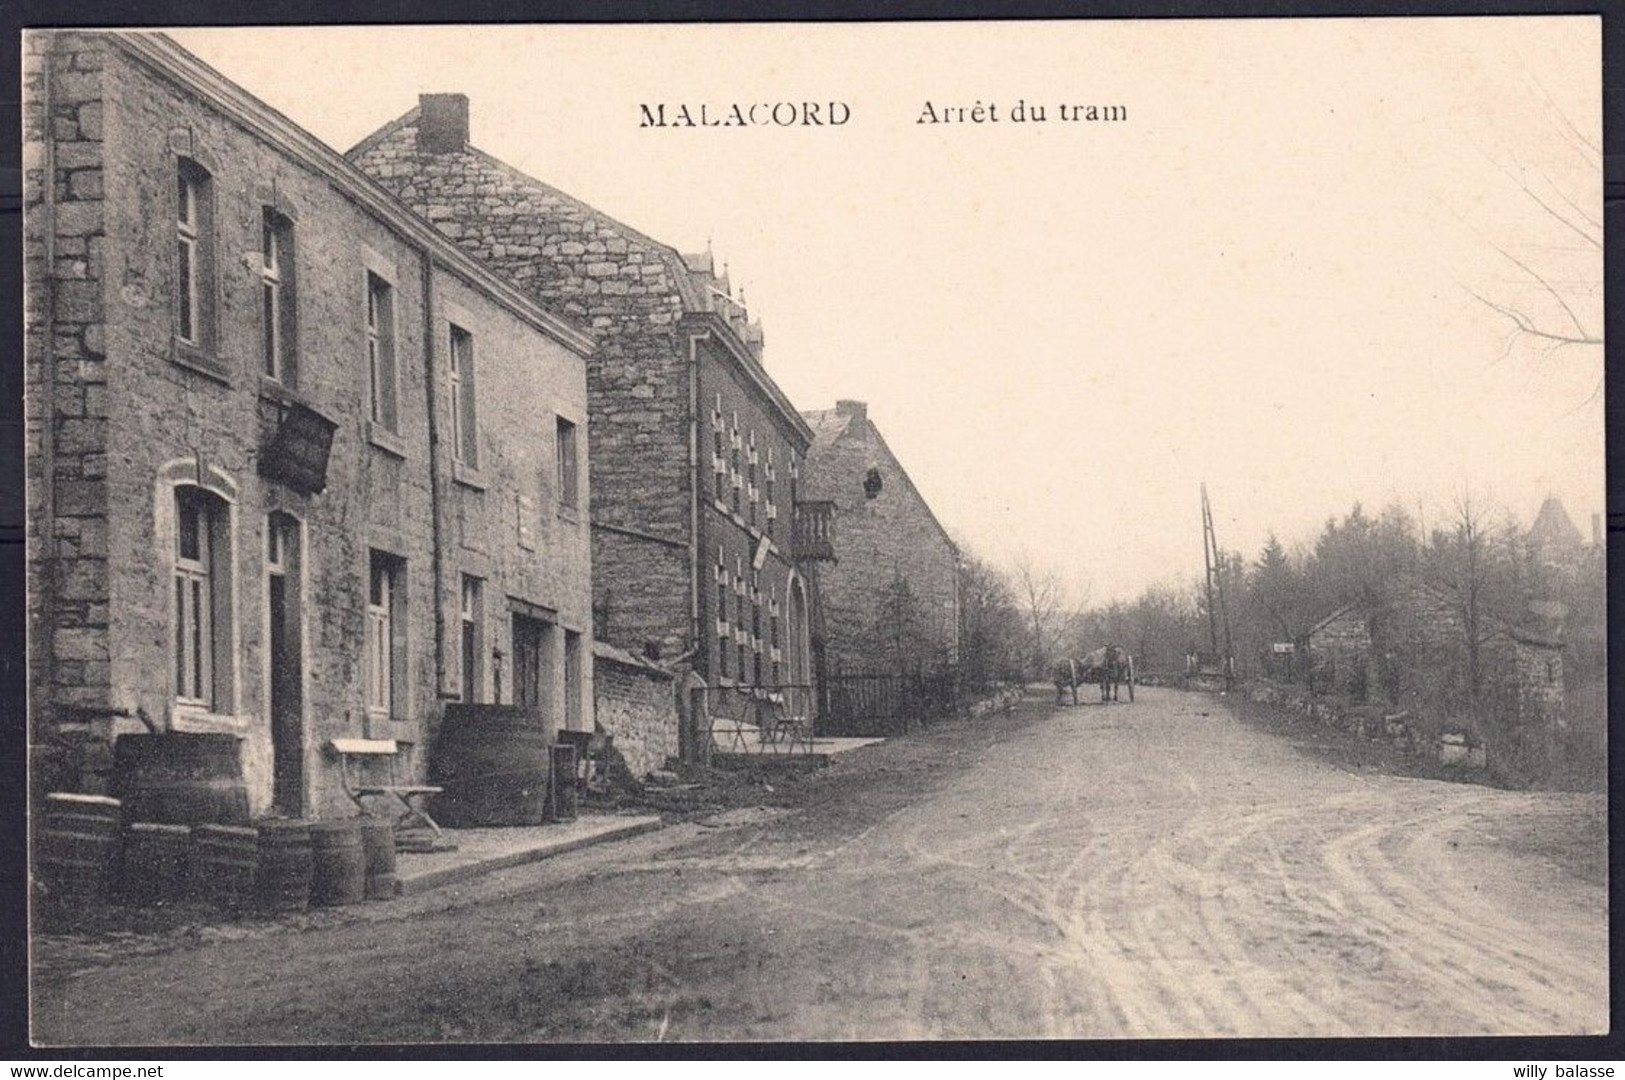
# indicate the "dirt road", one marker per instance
pixel 1154 869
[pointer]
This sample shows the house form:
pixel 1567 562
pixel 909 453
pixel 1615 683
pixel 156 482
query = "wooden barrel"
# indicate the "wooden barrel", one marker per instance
pixel 157 863
pixel 378 841
pixel 224 858
pixel 78 849
pixel 181 778
pixel 283 874
pixel 492 761
pixel 338 863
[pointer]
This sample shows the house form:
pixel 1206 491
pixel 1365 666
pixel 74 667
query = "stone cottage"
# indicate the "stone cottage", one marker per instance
pixel 891 598
pixel 1420 638
pixel 697 519
pixel 299 467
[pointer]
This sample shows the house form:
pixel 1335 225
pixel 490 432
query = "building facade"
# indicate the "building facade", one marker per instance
pixel 891 598
pixel 299 468
pixel 1418 643
pixel 696 451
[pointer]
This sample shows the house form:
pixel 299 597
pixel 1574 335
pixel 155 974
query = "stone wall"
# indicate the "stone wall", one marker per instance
pixel 104 541
pixel 879 543
pixel 65 374
pixel 635 704
pixel 661 362
pixel 623 286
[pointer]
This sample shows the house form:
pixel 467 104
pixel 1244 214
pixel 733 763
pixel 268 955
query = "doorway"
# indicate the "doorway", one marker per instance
pixel 532 662
pixel 286 683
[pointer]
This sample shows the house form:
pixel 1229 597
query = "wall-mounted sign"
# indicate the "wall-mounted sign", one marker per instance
pixel 296 455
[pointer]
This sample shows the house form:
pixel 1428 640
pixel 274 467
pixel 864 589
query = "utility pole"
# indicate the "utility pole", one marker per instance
pixel 1218 612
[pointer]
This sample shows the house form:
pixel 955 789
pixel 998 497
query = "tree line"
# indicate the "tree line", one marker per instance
pixel 1017 621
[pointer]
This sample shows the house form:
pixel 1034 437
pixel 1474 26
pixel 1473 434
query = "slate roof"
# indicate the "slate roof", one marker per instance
pixel 1553 528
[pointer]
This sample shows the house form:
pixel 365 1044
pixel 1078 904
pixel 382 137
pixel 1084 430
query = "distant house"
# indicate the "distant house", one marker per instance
pixel 1554 539
pixel 891 598
pixel 1420 637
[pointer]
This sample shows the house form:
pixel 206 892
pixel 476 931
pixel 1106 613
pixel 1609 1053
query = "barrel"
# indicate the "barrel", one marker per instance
pixel 224 858
pixel 378 841
pixel 283 873
pixel 78 848
pixel 562 785
pixel 492 761
pixel 181 778
pixel 157 862
pixel 338 863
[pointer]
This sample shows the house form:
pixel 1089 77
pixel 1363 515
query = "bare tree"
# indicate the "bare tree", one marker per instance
pixel 1042 596
pixel 1554 311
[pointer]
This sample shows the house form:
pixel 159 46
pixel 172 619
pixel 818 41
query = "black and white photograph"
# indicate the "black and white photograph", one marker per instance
pixel 815 532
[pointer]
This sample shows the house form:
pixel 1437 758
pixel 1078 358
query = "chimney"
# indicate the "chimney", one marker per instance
pixel 442 123
pixel 1596 530
pixel 852 408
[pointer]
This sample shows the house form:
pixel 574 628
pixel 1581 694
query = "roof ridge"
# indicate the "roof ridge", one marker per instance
pixel 411 116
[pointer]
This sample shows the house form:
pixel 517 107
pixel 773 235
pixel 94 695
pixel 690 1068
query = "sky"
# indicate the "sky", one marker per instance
pixel 1272 278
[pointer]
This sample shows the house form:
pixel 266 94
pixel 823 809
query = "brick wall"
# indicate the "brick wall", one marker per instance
pixel 635 704
pixel 737 529
pixel 880 543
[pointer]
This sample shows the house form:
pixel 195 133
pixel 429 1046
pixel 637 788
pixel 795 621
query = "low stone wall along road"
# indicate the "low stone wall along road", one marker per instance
pixel 1156 869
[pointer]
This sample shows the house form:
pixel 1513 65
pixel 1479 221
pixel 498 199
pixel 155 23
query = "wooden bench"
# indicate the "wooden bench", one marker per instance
pixel 352 753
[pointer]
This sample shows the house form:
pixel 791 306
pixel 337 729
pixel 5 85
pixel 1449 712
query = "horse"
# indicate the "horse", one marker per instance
pixel 1112 668
pixel 1066 676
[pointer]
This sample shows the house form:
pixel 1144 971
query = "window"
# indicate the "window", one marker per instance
pixel 569 480
pixel 277 334
pixel 195 525
pixel 772 510
pixel 752 478
pixel 722 596
pixel 719 461
pixel 742 588
pixel 464 425
pixel 194 256
pixel 756 623
pixel 381 351
pixel 723 627
pixel 386 625
pixel 738 475
pixel 473 612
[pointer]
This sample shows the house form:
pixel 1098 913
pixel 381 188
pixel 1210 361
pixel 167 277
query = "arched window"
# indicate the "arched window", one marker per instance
pixel 202 614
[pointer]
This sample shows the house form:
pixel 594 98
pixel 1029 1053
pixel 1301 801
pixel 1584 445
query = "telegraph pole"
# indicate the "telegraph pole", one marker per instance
pixel 1217 612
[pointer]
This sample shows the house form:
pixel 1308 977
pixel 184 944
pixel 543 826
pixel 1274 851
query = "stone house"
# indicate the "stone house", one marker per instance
pixel 299 467
pixel 1419 639
pixel 696 451
pixel 891 598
